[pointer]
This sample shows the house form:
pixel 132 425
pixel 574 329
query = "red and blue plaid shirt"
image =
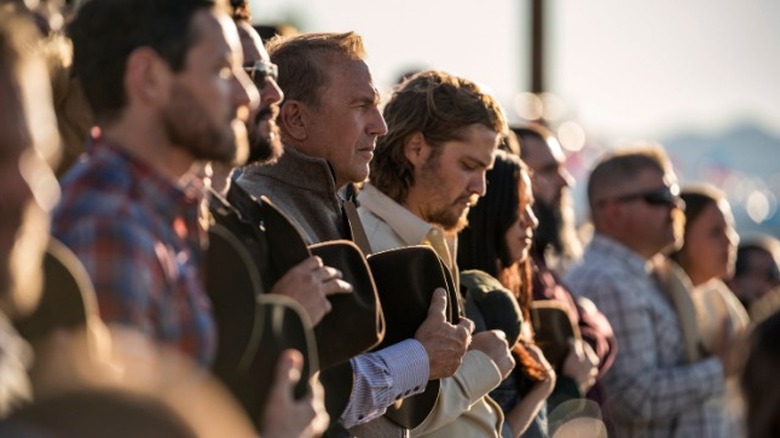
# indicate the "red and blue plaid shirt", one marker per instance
pixel 139 237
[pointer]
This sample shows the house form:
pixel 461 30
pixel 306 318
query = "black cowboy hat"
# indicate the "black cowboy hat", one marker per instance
pixel 68 298
pixel 552 330
pixel 253 328
pixel 406 278
pixel 355 323
pixel 268 235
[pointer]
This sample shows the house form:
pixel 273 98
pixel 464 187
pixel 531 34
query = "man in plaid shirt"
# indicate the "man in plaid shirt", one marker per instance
pixel 165 81
pixel 651 389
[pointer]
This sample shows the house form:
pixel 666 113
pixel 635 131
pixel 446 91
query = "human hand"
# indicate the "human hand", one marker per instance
pixel 310 283
pixel 493 344
pixel 581 364
pixel 728 348
pixel 544 388
pixel 285 417
pixel 445 343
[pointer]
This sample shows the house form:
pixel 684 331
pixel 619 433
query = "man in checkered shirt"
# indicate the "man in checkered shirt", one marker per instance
pixel 652 390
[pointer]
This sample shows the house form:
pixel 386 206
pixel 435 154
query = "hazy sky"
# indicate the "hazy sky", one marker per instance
pixel 623 68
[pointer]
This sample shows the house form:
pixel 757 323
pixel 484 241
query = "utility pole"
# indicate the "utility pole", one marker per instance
pixel 537 46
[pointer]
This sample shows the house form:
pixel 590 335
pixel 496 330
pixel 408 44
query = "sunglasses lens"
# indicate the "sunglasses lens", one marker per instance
pixel 659 198
pixel 264 71
pixel 664 197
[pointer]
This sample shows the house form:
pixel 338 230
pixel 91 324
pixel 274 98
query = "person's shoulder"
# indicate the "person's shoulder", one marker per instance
pixel 82 201
pixel 591 276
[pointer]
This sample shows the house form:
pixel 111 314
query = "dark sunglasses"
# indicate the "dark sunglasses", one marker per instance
pixel 666 196
pixel 261 71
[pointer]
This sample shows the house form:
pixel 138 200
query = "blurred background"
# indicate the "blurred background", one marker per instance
pixel 702 77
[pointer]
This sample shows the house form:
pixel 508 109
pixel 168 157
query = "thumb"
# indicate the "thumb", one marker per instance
pixel 575 347
pixel 288 372
pixel 438 305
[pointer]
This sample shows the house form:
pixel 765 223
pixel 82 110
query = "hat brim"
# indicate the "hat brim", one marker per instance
pixel 552 330
pixel 67 299
pixel 254 329
pixel 406 278
pixel 355 323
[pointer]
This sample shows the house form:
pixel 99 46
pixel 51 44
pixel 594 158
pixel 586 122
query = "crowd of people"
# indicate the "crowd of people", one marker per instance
pixel 183 201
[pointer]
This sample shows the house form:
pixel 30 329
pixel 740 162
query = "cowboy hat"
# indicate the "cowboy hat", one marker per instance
pixel 406 278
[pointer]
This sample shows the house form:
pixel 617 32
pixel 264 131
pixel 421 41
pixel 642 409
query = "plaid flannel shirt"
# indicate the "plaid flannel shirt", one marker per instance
pixel 651 390
pixel 139 237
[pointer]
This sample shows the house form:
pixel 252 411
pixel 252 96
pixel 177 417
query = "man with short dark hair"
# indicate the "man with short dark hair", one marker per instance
pixel 651 389
pixel 443 132
pixel 166 81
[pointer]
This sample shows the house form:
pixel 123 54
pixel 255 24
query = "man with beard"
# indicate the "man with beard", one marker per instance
pixel 310 282
pixel 551 181
pixel 651 390
pixel 556 244
pixel 166 82
pixel 329 123
pixel 443 132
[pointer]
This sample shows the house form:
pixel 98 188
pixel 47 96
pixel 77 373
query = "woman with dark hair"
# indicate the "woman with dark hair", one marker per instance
pixel 493 254
pixel 706 256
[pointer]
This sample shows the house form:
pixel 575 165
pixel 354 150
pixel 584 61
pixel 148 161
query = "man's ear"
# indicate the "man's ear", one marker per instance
pixel 294 119
pixel 147 77
pixel 416 149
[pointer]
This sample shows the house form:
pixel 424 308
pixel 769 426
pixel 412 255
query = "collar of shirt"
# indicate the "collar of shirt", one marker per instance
pixel 632 261
pixel 302 171
pixel 410 228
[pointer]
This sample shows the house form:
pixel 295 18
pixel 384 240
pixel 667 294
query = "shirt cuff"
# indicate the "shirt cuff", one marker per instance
pixel 407 363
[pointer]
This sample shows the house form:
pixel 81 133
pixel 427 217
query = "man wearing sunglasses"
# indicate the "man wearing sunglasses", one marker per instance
pixel 652 390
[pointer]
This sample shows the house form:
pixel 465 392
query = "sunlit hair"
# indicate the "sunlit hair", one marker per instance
pixel 531 130
pixel 441 107
pixel 696 199
pixel 622 165
pixel 482 244
pixel 756 243
pixel 509 142
pixel 304 60
pixel 106 32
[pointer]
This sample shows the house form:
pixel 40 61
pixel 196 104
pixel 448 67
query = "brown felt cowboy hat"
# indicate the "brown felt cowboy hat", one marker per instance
pixel 253 328
pixel 406 278
pixel 355 323
pixel 552 330
pixel 68 298
pixel 273 245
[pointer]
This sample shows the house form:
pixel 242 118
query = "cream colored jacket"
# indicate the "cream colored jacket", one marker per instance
pixel 463 410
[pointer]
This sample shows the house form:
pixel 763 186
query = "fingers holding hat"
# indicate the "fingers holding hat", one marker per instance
pixel 445 343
